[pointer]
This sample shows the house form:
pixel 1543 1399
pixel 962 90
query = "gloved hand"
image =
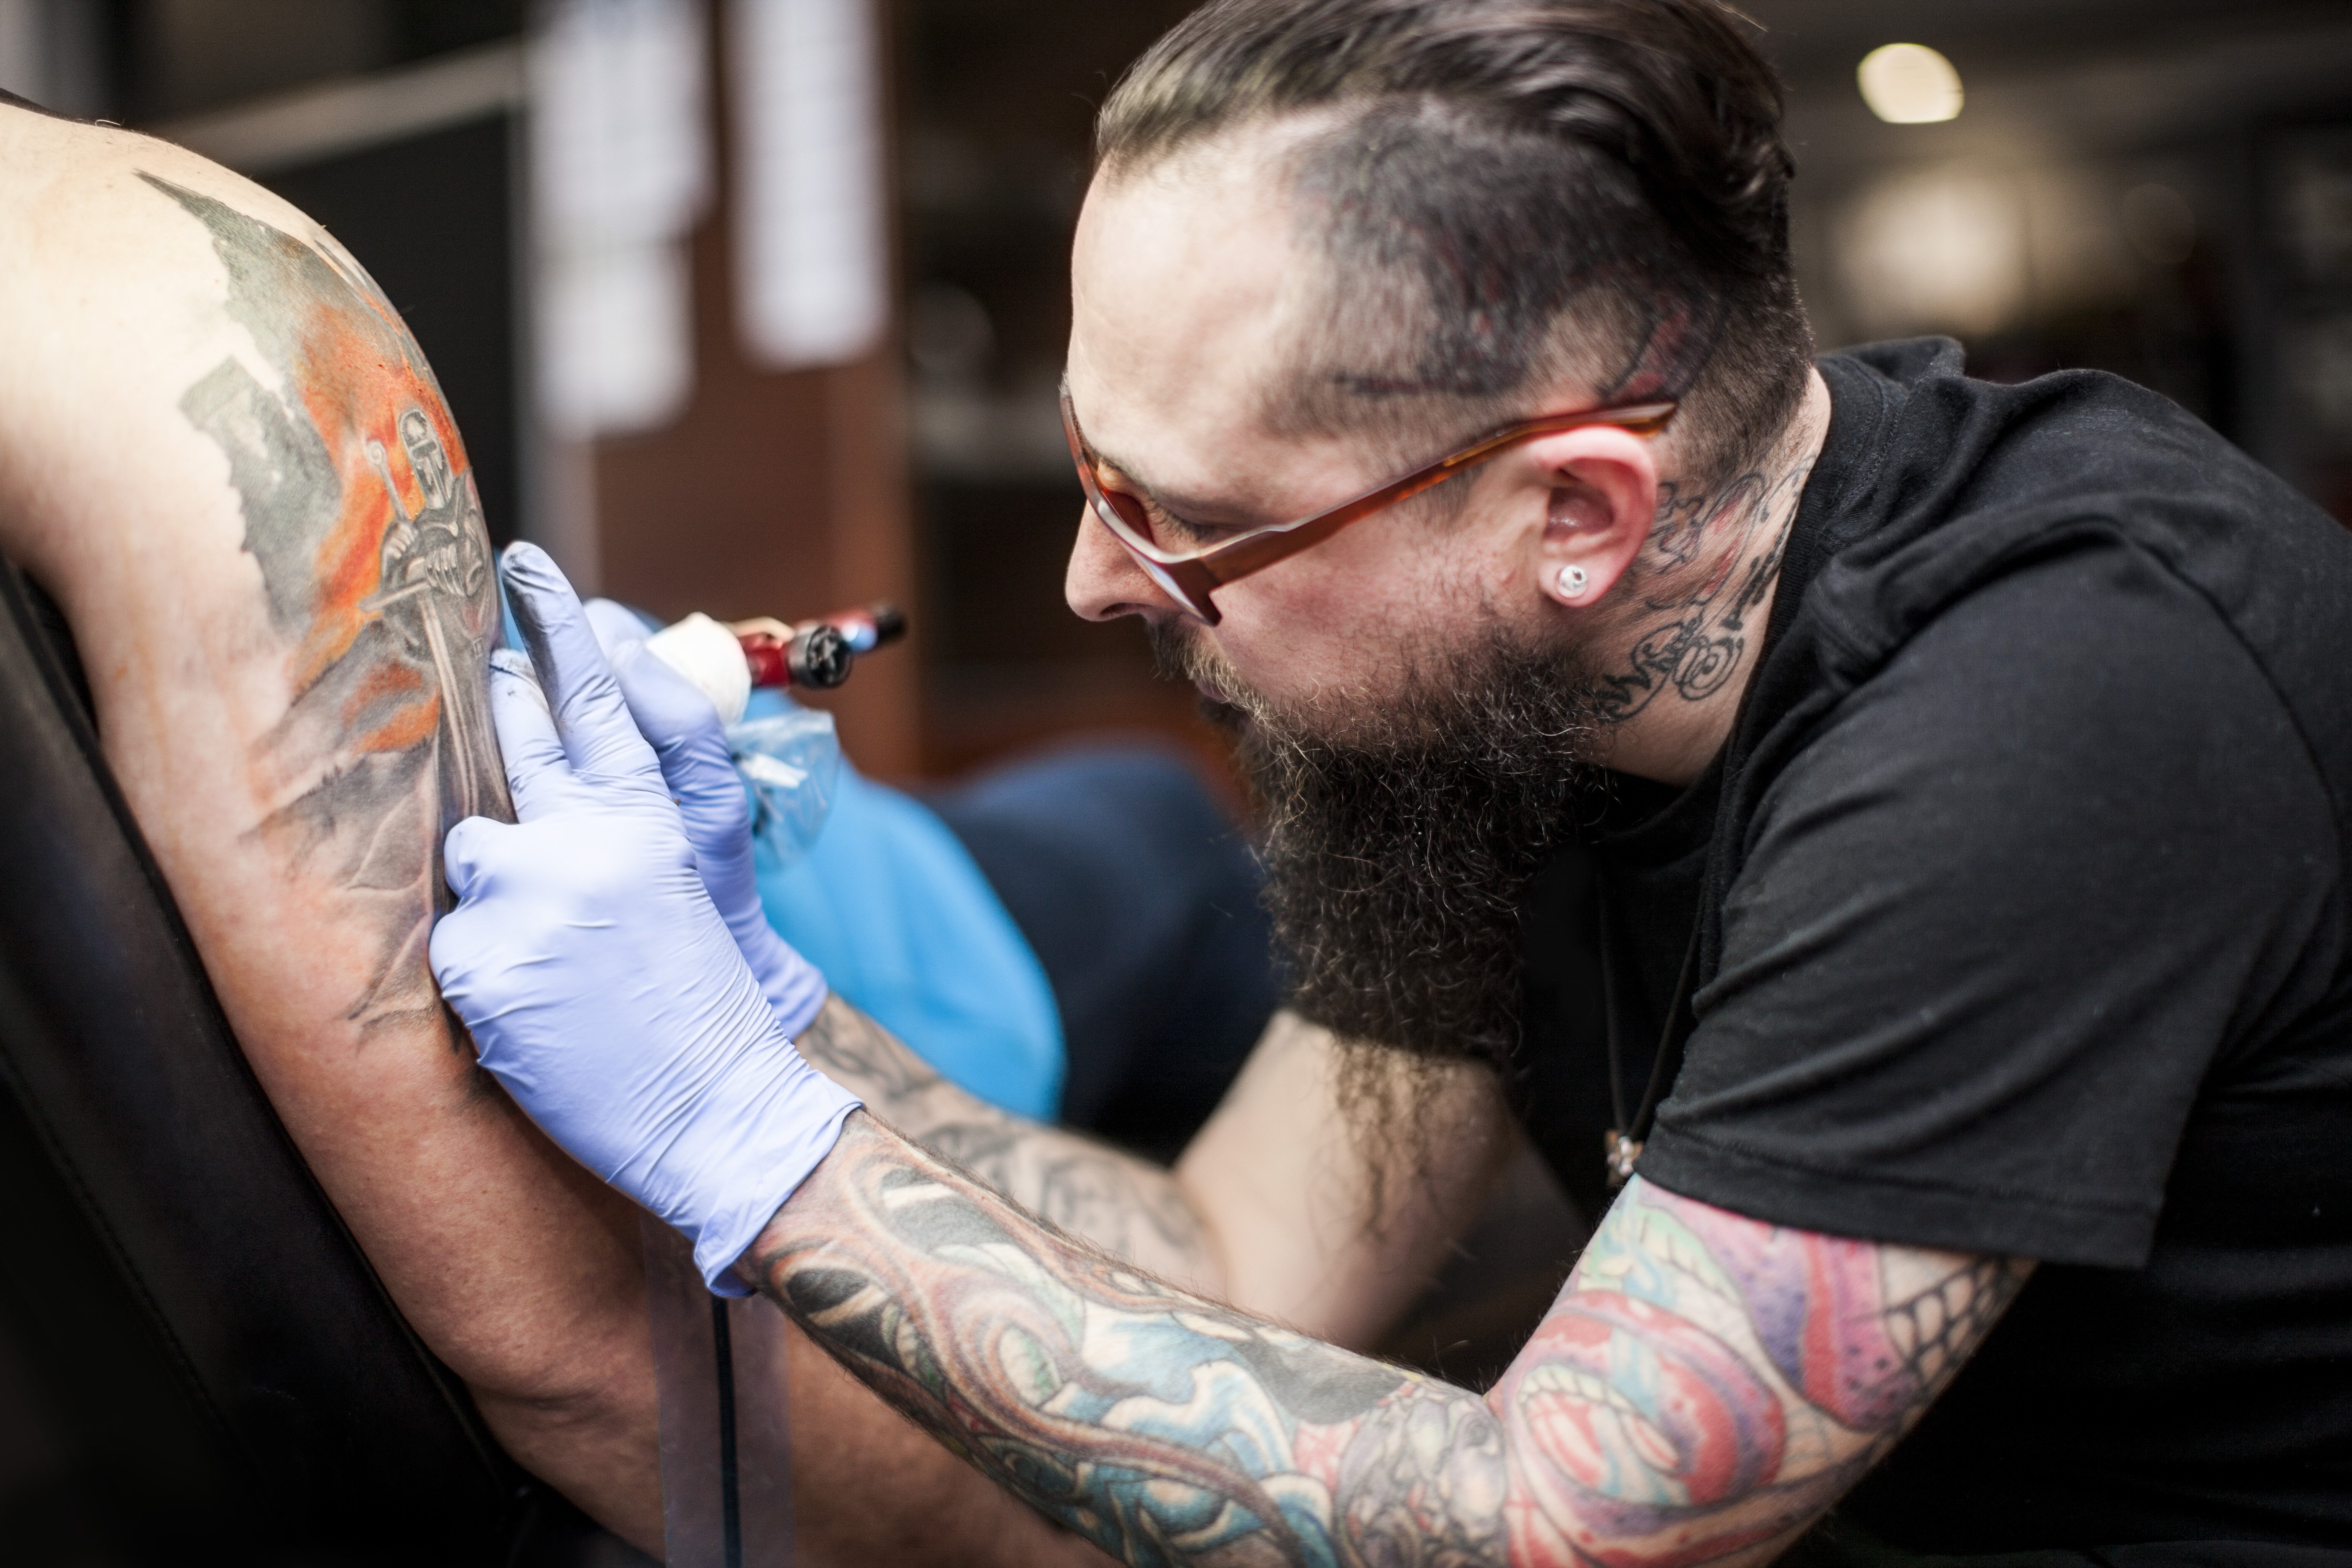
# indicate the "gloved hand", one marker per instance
pixel 699 768
pixel 602 986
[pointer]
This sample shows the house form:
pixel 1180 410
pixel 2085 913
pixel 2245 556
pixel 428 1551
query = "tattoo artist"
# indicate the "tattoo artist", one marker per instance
pixel 1923 800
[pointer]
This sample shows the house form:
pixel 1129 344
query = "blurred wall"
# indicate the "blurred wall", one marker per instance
pixel 2153 187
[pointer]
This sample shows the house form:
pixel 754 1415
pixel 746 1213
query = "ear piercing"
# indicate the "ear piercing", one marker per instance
pixel 1572 579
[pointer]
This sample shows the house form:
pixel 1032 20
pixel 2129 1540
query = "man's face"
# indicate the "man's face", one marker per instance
pixel 1191 295
pixel 1412 715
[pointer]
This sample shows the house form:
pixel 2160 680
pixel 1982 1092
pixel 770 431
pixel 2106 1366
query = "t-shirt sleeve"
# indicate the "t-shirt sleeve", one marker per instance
pixel 2026 886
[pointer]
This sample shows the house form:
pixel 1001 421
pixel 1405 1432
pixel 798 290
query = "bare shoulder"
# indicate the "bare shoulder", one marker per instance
pixel 136 268
pixel 83 194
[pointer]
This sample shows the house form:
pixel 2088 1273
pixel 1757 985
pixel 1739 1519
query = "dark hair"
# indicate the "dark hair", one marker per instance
pixel 1491 162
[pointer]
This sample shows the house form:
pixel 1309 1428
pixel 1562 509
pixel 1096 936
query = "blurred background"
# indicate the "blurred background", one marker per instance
pixel 757 306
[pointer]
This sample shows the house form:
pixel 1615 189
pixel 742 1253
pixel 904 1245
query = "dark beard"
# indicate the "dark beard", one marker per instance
pixel 1400 841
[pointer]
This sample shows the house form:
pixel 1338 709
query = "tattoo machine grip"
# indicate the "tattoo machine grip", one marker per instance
pixel 725 662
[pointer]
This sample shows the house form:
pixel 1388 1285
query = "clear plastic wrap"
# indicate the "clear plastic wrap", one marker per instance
pixel 791 765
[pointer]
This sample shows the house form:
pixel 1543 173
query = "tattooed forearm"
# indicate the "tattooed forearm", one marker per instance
pixel 1162 1428
pixel 1704 1388
pixel 1130 1208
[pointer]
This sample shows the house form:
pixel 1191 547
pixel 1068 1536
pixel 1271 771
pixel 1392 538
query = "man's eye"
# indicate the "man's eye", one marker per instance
pixel 1175 531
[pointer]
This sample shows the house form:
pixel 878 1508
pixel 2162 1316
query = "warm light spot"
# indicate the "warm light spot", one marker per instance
pixel 1909 84
pixel 1935 250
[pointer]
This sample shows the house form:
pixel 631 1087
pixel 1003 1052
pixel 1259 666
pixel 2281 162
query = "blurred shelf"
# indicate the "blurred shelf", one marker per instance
pixel 353 114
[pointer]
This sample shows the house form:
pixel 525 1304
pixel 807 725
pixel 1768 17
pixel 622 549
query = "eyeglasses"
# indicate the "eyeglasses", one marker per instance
pixel 1189 571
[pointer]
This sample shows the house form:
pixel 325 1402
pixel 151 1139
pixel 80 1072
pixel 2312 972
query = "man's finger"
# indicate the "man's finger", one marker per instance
pixel 590 714
pixel 615 625
pixel 461 853
pixel 670 709
pixel 538 772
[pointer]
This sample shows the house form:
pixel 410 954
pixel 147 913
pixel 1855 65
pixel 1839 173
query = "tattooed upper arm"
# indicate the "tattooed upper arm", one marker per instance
pixel 361 512
pixel 225 456
pixel 1708 1383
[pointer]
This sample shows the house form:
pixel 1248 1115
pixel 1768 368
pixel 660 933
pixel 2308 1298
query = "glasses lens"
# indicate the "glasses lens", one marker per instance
pixel 1124 512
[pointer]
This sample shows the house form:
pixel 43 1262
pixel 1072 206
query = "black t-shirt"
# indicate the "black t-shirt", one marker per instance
pixel 2021 899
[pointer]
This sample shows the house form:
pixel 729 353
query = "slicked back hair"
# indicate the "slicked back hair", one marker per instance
pixel 1509 194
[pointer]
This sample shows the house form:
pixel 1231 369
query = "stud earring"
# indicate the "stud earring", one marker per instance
pixel 1572 579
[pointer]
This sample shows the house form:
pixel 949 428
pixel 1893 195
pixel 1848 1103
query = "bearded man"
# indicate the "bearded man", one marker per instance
pixel 1938 787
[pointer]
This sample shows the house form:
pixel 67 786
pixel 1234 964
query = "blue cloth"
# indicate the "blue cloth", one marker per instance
pixel 893 908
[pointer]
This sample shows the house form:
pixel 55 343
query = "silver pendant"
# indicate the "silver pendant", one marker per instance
pixel 1619 1154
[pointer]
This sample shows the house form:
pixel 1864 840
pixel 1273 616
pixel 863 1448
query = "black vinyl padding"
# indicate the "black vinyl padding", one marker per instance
pixel 220 1375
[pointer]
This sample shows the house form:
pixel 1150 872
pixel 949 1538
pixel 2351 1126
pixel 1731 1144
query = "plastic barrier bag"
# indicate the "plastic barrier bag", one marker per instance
pixel 791 766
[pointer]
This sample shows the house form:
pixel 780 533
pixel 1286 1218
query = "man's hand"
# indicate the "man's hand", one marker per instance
pixel 602 986
pixel 696 764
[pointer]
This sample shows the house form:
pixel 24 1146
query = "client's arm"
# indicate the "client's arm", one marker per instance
pixel 224 455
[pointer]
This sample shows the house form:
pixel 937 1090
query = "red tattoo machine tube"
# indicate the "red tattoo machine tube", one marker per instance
pixel 819 653
pixel 725 662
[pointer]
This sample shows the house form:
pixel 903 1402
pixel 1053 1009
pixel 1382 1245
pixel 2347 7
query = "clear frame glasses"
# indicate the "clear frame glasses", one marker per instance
pixel 1191 575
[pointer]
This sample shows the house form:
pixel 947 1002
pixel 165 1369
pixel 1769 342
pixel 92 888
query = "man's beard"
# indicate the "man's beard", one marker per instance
pixel 1402 834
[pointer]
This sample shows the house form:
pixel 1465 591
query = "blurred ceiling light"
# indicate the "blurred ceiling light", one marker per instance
pixel 1935 250
pixel 2160 224
pixel 811 246
pixel 1909 84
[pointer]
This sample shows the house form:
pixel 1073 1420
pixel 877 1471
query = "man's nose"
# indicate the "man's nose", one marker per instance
pixel 1104 583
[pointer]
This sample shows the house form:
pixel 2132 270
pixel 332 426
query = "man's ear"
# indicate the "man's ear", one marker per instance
pixel 1601 497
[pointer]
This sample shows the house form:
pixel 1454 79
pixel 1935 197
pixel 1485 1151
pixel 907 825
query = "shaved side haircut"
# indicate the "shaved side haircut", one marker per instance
pixel 1509 194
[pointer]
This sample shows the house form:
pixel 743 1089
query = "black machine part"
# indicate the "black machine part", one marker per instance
pixel 216 1372
pixel 820 657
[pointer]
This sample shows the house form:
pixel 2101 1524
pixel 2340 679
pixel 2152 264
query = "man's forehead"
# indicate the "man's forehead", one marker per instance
pixel 1187 289
pixel 1180 275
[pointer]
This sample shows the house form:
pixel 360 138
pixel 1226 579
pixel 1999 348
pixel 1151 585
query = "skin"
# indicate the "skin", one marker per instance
pixel 1707 1385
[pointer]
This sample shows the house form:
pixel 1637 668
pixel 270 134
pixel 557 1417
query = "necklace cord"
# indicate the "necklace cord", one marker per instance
pixel 1626 1137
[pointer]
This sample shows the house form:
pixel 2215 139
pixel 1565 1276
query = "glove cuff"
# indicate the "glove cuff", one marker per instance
pixel 794 987
pixel 771 1139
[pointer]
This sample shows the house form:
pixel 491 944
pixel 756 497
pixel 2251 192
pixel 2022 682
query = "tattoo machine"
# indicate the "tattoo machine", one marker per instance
pixel 726 661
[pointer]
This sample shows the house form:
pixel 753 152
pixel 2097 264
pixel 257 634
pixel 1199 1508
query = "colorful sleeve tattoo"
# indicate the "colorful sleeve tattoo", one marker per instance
pixel 1705 1386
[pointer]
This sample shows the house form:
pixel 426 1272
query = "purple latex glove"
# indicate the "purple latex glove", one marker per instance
pixel 602 986
pixel 697 763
